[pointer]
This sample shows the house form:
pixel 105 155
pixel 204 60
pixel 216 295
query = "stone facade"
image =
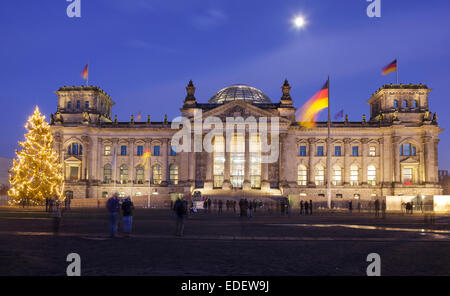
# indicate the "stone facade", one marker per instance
pixel 394 152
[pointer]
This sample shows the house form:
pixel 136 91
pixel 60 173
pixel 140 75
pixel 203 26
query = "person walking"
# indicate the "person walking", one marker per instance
pixel 310 206
pixel 306 208
pixel 57 216
pixel 301 207
pixel 180 212
pixel 220 206
pixel 234 206
pixel 113 208
pixel 383 209
pixel 46 204
pixel 127 214
pixel 205 205
pixel 350 206
pixel 250 209
pixel 209 205
pixel 377 207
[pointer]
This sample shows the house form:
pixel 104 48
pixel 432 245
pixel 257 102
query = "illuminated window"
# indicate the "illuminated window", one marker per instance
pixel 219 161
pixel 173 174
pixel 320 175
pixel 302 175
pixel 337 175
pixel 354 175
pixel 407 174
pixel 371 175
pixel 140 174
pixel 107 173
pixel 372 151
pixel 156 174
pixel 123 174
pixel 107 150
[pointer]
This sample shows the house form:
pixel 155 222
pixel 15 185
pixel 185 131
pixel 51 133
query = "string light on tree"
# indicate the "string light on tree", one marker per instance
pixel 36 173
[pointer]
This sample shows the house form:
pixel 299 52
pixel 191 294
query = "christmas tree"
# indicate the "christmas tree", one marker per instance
pixel 36 173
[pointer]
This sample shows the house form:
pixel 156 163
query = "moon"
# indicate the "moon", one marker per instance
pixel 299 22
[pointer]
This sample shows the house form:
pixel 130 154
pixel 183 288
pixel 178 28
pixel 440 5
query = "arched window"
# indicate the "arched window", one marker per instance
pixel 302 175
pixel 395 104
pixel 156 174
pixel 173 174
pixel 139 174
pixel 405 104
pixel 107 173
pixel 372 175
pixel 414 104
pixel 407 149
pixel 319 175
pixel 337 175
pixel 69 105
pixel 123 174
pixel 354 175
pixel 75 149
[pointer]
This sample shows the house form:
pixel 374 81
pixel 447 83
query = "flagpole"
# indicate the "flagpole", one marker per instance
pixel 329 149
pixel 397 71
pixel 149 183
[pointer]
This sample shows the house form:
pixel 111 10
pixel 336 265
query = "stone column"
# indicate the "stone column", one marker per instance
pixel 226 177
pixel 114 154
pixel 84 163
pixel 192 164
pixel 347 161
pixel 99 164
pixel 208 185
pixel 165 161
pixel 132 170
pixel 247 184
pixel 280 160
pixel 395 142
pixel 364 165
pixel 312 148
pixel 265 184
pixel 148 171
pixel 381 160
pixel 434 168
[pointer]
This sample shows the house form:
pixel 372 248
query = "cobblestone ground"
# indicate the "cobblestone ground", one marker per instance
pixel 325 243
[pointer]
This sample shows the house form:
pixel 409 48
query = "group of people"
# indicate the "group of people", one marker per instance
pixel 408 207
pixel 52 203
pixel 306 207
pixel 114 205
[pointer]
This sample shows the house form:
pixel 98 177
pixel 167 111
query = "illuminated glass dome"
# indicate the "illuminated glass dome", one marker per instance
pixel 239 92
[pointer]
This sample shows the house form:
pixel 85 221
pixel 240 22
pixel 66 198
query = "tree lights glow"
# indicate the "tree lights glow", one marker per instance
pixel 36 173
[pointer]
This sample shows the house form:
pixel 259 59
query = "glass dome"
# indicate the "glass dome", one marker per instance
pixel 239 92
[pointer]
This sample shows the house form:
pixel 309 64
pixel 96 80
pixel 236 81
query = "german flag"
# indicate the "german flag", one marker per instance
pixel 84 74
pixel 392 67
pixel 308 113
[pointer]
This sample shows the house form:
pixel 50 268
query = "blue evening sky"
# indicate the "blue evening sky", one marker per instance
pixel 143 53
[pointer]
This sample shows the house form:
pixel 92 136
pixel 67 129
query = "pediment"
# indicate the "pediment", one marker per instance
pixel 72 159
pixel 241 109
pixel 410 160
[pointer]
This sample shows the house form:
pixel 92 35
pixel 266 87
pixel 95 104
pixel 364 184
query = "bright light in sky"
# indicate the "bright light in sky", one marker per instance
pixel 299 22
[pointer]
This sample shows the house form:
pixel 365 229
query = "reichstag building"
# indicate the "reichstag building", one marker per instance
pixel 392 152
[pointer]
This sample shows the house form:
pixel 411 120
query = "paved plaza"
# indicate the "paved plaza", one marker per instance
pixel 326 243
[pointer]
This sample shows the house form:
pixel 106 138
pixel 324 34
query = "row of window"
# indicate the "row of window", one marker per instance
pixel 78 105
pixel 139 150
pixel 140 178
pixel 337 151
pixel 406 149
pixel 337 173
pixel 414 104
